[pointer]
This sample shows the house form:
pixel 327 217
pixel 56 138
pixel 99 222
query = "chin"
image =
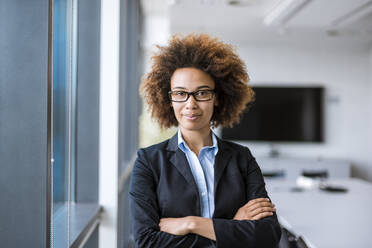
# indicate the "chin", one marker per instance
pixel 194 126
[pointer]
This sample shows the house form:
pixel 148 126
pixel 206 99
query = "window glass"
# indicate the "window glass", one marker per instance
pixel 60 104
pixel 64 120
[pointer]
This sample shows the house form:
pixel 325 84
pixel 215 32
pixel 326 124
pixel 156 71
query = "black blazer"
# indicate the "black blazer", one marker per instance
pixel 162 185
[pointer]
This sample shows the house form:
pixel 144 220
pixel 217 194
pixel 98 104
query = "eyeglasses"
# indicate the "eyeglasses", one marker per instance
pixel 183 96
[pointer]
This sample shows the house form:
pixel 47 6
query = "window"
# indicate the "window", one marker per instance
pixel 64 117
pixel 75 209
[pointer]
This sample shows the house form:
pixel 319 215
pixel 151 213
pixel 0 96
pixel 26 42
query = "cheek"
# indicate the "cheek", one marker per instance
pixel 208 110
pixel 176 110
pixel 211 108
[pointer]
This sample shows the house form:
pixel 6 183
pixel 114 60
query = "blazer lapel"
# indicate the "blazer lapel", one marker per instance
pixel 179 160
pixel 222 158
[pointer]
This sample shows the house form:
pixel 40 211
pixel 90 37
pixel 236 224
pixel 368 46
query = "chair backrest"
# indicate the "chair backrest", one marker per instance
pixel 315 173
pixel 301 243
pixel 274 174
pixel 291 240
pixel 288 239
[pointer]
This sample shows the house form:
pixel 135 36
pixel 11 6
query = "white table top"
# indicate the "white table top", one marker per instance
pixel 326 219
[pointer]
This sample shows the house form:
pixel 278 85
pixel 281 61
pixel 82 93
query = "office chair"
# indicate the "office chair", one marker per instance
pixel 274 174
pixel 291 240
pixel 321 174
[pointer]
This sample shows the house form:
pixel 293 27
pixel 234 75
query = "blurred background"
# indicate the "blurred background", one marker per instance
pixel 72 119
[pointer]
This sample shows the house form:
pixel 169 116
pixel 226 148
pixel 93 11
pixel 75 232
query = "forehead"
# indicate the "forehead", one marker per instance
pixel 191 78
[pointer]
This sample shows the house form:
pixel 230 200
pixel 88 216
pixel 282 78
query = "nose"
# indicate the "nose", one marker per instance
pixel 191 103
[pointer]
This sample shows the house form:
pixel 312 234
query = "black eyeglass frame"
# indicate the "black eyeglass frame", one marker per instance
pixel 191 93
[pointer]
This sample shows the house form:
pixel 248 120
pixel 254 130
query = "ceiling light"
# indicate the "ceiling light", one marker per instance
pixel 172 2
pixel 354 15
pixel 284 11
pixel 240 2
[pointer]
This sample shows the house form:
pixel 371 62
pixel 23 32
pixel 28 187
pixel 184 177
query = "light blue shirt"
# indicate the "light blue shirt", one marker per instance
pixel 202 168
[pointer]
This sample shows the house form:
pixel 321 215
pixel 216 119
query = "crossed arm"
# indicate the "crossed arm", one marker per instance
pixel 253 225
pixel 255 209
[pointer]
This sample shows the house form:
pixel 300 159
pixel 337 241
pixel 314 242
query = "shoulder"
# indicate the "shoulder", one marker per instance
pixel 153 151
pixel 150 160
pixel 155 147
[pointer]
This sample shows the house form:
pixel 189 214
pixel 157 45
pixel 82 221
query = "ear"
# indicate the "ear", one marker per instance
pixel 215 101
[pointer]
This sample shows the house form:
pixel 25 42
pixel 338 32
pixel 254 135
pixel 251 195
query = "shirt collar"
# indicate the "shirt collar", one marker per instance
pixel 183 145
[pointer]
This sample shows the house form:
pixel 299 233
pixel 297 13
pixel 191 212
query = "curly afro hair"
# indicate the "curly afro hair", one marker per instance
pixel 215 58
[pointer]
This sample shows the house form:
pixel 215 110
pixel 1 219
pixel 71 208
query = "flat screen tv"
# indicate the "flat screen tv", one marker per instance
pixel 281 114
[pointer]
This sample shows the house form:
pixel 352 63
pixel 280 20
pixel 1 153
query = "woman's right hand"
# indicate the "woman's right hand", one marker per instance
pixel 255 209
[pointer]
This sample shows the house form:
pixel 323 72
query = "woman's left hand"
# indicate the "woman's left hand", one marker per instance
pixel 176 226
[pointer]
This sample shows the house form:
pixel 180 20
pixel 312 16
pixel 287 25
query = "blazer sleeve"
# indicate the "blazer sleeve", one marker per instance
pixel 144 210
pixel 265 232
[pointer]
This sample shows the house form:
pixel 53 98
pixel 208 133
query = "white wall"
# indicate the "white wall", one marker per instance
pixel 157 32
pixel 109 119
pixel 370 117
pixel 345 74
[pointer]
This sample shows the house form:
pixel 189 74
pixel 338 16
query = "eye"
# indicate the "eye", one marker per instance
pixel 202 92
pixel 180 93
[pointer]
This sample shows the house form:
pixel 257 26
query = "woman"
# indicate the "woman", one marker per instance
pixel 195 190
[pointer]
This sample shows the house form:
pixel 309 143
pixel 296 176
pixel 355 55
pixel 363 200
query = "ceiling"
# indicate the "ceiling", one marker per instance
pixel 246 21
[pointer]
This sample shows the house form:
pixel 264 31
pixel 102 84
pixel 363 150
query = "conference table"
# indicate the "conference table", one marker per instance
pixel 325 219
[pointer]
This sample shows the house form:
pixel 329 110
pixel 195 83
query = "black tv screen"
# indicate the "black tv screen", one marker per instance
pixel 281 114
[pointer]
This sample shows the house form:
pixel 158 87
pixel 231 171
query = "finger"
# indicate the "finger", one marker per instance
pixel 255 201
pixel 163 221
pixel 262 215
pixel 262 210
pixel 163 225
pixel 260 205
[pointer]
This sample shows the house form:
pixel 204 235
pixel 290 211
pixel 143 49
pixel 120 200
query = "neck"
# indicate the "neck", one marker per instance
pixel 196 140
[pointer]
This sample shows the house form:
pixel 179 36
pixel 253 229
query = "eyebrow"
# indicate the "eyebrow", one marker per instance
pixel 200 87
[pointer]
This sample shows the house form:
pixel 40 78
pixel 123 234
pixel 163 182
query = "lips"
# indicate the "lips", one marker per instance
pixel 191 117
